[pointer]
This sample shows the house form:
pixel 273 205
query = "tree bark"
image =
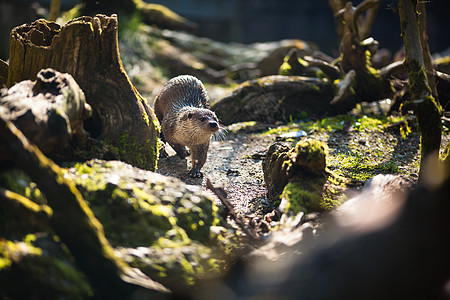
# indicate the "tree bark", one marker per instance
pixel 50 112
pixel 431 73
pixel 87 48
pixel 426 109
pixel 74 222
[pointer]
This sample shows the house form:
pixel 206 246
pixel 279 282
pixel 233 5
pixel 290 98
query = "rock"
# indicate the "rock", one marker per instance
pixel 169 230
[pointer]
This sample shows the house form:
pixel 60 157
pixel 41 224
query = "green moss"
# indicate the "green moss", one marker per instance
pixel 171 221
pixel 337 123
pixel 310 155
pixel 145 118
pixel 130 23
pixel 361 169
pixel 313 194
pixel 18 182
pixel 143 156
pixel 285 68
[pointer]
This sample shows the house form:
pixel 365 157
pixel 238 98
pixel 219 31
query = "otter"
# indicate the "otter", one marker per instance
pixel 182 108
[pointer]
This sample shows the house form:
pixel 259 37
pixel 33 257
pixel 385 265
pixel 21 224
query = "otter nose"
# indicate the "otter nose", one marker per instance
pixel 213 124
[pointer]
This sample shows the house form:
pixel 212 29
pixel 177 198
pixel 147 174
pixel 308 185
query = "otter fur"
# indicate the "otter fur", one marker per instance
pixel 182 108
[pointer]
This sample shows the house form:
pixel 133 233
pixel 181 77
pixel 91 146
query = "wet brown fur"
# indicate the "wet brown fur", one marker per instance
pixel 182 108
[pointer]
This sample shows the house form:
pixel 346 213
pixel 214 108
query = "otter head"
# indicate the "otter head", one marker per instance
pixel 205 119
pixel 197 125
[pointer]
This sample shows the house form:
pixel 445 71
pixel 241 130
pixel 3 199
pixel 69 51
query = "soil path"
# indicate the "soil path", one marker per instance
pixel 234 164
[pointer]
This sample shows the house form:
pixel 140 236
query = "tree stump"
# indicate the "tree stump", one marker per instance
pixel 87 48
pixel 50 112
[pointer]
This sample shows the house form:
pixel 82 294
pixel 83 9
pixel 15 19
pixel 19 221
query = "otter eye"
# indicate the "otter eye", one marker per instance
pixel 202 119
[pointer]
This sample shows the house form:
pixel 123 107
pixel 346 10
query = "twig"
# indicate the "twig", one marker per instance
pixel 220 193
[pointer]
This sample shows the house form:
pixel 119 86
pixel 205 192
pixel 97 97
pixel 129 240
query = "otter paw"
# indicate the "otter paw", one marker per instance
pixel 195 173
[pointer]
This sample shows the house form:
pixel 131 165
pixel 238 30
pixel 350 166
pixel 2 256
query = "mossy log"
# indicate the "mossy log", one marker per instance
pixel 49 111
pixel 87 48
pixel 278 98
pixel 75 224
pixel 426 109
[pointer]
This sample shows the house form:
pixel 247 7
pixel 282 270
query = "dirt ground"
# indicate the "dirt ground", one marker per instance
pixel 236 163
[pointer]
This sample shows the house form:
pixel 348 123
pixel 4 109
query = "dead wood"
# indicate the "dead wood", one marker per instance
pixel 50 112
pixel 278 97
pixel 87 48
pixel 356 48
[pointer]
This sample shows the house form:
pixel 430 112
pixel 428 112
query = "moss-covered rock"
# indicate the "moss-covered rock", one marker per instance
pixel 28 271
pixel 299 177
pixel 171 231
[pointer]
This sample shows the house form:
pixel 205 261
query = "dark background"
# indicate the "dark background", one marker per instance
pixel 249 21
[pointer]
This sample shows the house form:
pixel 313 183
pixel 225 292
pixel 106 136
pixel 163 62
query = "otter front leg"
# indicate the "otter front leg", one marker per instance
pixel 198 159
pixel 180 150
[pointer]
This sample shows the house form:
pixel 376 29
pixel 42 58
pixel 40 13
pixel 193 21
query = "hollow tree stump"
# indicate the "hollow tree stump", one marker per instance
pixel 87 48
pixel 50 112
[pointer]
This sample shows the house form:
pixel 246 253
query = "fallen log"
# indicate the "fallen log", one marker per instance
pixel 278 97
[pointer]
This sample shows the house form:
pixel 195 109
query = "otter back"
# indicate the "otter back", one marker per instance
pixel 181 91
